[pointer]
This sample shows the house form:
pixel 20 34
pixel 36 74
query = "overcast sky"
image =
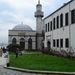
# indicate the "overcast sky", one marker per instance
pixel 14 12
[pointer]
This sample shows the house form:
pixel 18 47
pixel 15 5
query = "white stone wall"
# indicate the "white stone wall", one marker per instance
pixel 28 34
pixel 39 25
pixel 39 42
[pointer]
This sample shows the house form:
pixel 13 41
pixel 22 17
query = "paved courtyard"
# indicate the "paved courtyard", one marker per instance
pixel 4 71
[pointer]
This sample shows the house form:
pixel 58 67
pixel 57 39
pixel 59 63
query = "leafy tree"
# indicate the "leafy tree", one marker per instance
pixel 14 47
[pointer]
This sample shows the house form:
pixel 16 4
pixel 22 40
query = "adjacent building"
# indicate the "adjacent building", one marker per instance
pixel 60 27
pixel 25 36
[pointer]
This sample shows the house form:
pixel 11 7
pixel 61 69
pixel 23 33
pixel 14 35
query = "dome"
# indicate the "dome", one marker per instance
pixel 22 27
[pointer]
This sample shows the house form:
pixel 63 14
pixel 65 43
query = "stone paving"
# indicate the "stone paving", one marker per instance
pixel 4 71
pixel 4 59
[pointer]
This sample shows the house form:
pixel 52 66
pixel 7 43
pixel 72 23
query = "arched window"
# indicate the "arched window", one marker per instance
pixel 57 21
pixel 29 43
pixel 22 43
pixel 54 23
pixel 22 40
pixel 14 40
pixel 61 20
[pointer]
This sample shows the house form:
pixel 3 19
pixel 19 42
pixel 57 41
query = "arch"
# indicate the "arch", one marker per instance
pixel 29 43
pixel 22 43
pixel 14 41
pixel 61 20
pixel 48 45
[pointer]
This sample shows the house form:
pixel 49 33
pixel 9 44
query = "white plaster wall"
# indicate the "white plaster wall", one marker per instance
pixel 73 36
pixel 39 42
pixel 64 31
pixel 39 25
pixel 46 40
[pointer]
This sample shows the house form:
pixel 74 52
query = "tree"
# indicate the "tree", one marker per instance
pixel 13 47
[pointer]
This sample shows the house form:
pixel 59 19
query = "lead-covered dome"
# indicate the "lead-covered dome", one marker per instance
pixel 22 27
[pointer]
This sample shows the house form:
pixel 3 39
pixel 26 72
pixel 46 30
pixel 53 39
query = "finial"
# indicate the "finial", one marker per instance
pixel 38 1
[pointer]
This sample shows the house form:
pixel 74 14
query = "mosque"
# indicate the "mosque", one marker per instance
pixel 56 31
pixel 25 35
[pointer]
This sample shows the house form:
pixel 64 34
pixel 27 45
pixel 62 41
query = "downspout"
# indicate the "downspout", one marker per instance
pixel 69 28
pixel 52 31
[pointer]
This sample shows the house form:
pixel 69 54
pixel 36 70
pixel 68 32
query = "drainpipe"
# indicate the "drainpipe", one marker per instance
pixel 69 28
pixel 52 31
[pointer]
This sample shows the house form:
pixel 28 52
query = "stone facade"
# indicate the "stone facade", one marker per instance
pixel 39 25
pixel 22 34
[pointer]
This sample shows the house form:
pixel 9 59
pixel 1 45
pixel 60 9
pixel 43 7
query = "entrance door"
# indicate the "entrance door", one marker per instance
pixel 48 44
pixel 22 43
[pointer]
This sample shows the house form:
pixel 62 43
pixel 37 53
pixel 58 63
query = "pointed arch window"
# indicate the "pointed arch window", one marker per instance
pixel 54 23
pixel 14 41
pixel 66 19
pixel 73 16
pixel 51 25
pixel 57 21
pixel 46 27
pixel 22 40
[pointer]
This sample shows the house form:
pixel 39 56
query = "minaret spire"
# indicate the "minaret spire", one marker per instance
pixel 38 1
pixel 39 25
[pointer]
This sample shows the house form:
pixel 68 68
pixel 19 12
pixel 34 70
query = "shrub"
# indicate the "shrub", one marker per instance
pixel 68 53
pixel 63 53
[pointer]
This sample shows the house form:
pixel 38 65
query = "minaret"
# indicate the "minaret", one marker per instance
pixel 39 15
pixel 39 25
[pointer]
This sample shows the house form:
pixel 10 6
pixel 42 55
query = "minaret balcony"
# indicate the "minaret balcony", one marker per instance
pixel 39 14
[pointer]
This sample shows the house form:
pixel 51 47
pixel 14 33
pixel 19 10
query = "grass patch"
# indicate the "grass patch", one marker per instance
pixel 42 62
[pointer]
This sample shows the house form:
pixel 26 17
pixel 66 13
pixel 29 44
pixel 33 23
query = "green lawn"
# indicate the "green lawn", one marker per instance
pixel 42 62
